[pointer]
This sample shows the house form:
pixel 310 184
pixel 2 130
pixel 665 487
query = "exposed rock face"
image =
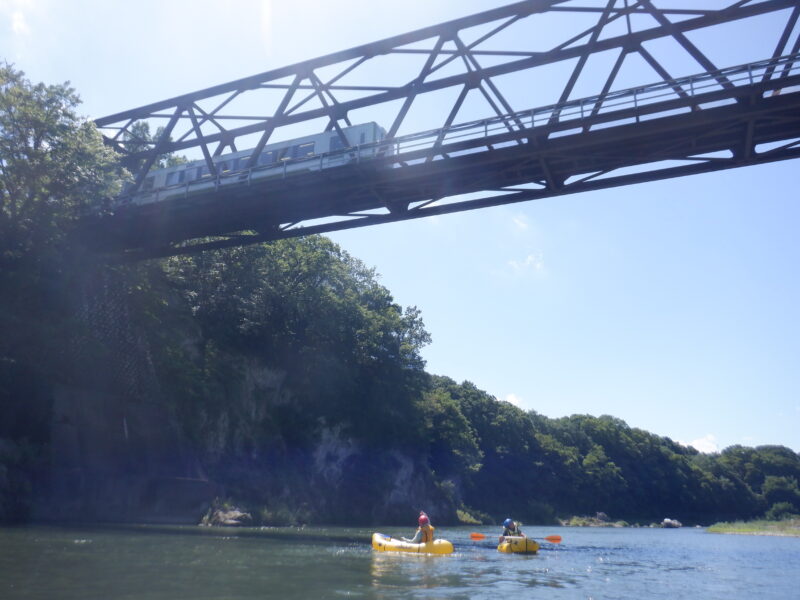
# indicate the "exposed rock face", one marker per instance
pixel 116 458
pixel 232 517
pixel 671 523
pixel 330 457
pixel 601 520
pixel 359 484
pixel 113 460
pixel 115 454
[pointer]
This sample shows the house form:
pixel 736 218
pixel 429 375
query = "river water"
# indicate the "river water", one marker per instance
pixel 193 563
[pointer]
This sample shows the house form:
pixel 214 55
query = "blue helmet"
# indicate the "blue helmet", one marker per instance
pixel 508 523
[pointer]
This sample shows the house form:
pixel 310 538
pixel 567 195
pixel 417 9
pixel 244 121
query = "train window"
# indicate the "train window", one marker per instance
pixel 303 150
pixel 224 166
pixel 148 183
pixel 190 174
pixel 266 158
pixel 172 178
pixel 336 143
pixel 241 163
pixel 283 154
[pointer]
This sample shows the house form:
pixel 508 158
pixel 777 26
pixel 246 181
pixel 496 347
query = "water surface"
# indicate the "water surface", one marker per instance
pixel 192 563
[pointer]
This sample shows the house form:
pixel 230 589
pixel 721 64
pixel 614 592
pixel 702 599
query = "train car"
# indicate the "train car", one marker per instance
pixel 310 153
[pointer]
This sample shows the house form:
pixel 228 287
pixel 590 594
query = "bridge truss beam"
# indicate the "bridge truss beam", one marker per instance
pixel 721 118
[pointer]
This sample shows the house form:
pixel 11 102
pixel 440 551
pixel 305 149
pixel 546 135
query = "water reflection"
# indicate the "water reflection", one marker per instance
pixel 473 571
pixel 399 570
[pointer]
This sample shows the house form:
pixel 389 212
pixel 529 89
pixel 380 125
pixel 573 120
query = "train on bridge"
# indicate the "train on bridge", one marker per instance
pixel 310 153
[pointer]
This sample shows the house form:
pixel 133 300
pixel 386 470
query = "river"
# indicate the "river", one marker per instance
pixel 193 563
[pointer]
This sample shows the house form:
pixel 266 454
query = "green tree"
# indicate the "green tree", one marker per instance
pixel 54 168
pixel 780 511
pixel 515 471
pixel 781 489
pixel 603 479
pixel 351 355
pixel 453 447
pixel 138 139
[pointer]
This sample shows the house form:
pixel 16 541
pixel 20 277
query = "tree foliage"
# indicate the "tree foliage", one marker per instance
pixel 350 354
pixel 538 468
pixel 53 168
pixel 138 138
pixel 53 165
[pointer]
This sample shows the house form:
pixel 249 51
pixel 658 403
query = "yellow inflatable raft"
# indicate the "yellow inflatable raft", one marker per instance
pixel 518 544
pixel 384 543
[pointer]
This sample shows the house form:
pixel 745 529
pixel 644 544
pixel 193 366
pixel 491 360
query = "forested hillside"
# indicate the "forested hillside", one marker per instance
pixel 281 378
pixel 527 464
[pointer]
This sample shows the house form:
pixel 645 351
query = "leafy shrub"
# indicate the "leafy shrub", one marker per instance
pixel 781 511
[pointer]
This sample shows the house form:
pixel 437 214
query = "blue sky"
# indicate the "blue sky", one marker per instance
pixel 672 305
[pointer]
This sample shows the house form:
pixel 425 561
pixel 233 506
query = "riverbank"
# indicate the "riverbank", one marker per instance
pixel 584 521
pixel 788 527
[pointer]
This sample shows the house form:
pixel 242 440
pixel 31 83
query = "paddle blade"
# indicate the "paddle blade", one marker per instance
pixel 477 536
pixel 553 539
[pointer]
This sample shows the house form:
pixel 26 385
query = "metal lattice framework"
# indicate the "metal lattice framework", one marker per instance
pixel 679 112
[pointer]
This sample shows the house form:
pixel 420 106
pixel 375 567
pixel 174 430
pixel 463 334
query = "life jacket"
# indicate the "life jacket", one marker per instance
pixel 427 533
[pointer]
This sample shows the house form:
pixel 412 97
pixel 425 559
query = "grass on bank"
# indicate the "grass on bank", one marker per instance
pixel 785 527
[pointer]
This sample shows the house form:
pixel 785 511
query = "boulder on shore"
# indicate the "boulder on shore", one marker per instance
pixel 586 521
pixel 232 517
pixel 671 523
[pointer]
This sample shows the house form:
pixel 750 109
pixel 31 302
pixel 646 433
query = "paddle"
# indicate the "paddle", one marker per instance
pixel 553 539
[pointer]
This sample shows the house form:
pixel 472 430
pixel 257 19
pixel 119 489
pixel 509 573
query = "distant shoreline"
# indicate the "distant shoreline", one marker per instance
pixel 788 528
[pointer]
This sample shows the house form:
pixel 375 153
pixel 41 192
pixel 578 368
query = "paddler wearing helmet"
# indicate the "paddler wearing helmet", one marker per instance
pixel 424 532
pixel 511 528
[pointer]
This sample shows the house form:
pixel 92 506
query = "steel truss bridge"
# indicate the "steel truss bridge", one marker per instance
pixel 710 118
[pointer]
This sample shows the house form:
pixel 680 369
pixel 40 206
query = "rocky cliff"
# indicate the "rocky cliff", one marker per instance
pixel 117 451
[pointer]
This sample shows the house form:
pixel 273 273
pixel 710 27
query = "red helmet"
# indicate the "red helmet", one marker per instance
pixel 423 519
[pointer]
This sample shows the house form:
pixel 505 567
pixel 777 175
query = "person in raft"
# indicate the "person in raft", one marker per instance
pixel 511 529
pixel 424 532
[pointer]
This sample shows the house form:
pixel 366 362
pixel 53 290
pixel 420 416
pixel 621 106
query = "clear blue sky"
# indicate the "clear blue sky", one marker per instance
pixel 672 305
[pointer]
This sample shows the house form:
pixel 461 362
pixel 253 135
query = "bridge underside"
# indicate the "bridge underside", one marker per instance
pixel 719 130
